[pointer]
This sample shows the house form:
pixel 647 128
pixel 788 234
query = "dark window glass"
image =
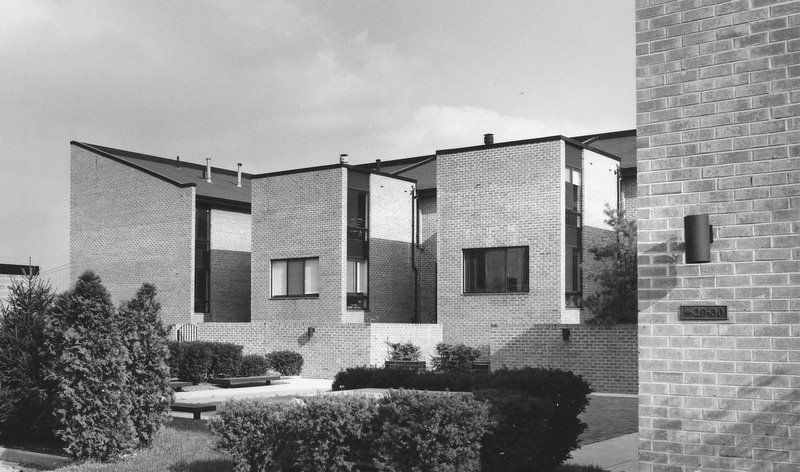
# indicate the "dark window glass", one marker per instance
pixel 294 277
pixel 496 270
pixel 202 261
pixel 517 269
pixel 357 208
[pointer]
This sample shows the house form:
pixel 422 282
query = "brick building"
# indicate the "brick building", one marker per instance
pixel 718 99
pixel 468 239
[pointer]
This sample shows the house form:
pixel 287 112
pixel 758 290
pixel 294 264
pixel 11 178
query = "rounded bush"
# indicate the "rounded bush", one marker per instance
pixel 253 365
pixel 454 357
pixel 286 362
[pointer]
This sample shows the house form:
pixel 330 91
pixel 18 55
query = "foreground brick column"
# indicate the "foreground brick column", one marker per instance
pixel 718 94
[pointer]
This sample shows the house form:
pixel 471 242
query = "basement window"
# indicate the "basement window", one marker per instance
pixel 295 277
pixel 496 270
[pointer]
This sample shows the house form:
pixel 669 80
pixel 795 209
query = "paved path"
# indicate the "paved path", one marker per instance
pixel 615 455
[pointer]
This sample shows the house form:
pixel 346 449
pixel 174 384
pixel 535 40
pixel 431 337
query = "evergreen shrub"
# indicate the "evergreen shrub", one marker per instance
pixel 25 411
pixel 146 340
pixel 198 361
pixel 420 431
pixel 404 431
pixel 403 352
pixel 286 362
pixel 454 357
pixel 88 370
pixel 253 365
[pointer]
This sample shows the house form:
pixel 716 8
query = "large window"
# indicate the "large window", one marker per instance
pixel 496 270
pixel 573 246
pixel 357 284
pixel 295 277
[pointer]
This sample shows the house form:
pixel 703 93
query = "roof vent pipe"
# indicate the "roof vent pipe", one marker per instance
pixel 239 174
pixel 177 161
pixel 208 169
pixel 342 158
pixel 377 165
pixel 488 139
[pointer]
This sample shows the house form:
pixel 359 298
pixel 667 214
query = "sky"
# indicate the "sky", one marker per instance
pixel 284 84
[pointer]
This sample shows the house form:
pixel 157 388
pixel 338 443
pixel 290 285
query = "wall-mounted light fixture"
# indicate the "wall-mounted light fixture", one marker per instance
pixel 311 331
pixel 698 236
pixel 565 333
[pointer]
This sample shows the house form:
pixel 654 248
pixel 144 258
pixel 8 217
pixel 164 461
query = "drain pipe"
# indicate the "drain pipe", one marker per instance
pixel 413 258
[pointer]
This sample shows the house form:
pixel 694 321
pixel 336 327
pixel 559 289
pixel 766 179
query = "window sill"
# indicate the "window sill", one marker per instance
pixel 294 297
pixel 472 294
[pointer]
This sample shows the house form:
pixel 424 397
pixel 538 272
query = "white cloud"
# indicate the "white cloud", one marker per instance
pixel 434 127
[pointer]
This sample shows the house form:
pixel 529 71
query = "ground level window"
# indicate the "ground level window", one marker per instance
pixel 295 277
pixel 357 284
pixel 496 270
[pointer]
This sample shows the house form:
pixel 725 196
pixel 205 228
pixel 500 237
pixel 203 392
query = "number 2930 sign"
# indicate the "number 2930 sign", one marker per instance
pixel 703 312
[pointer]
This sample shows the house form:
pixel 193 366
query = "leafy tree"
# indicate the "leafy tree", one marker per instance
pixel 92 402
pixel 146 341
pixel 616 301
pixel 24 399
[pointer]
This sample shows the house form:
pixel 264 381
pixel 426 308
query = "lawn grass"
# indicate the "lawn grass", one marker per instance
pixel 184 445
pixel 579 468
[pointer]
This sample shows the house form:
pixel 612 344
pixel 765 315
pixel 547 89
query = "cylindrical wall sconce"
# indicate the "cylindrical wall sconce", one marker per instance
pixel 697 233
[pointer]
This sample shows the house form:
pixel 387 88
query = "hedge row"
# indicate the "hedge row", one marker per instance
pixel 198 361
pixel 403 431
pixel 536 409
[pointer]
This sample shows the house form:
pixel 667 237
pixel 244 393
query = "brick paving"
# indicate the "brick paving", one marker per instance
pixel 610 417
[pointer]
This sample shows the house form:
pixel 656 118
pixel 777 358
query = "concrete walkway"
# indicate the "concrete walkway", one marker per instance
pixel 278 388
pixel 620 454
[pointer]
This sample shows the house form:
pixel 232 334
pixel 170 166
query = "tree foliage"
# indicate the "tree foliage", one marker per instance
pixel 24 399
pixel 88 369
pixel 146 341
pixel 616 301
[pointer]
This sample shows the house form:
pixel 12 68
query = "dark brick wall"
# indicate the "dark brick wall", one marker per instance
pixel 230 286
pixel 426 258
pixel 606 357
pixel 718 99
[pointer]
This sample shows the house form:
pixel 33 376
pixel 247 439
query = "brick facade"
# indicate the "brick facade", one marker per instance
pixel 391 279
pixel 130 227
pixel 606 357
pixel 717 97
pixel 300 215
pixel 333 347
pixel 497 197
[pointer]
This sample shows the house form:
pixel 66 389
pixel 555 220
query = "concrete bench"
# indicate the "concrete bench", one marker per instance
pixel 246 381
pixel 194 408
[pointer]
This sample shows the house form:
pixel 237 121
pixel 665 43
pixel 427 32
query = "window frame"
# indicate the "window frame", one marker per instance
pixel 286 282
pixel 483 250
pixel 573 298
pixel 363 297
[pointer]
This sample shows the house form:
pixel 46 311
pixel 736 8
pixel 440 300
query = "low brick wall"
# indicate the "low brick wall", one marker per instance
pixel 607 357
pixel 333 346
